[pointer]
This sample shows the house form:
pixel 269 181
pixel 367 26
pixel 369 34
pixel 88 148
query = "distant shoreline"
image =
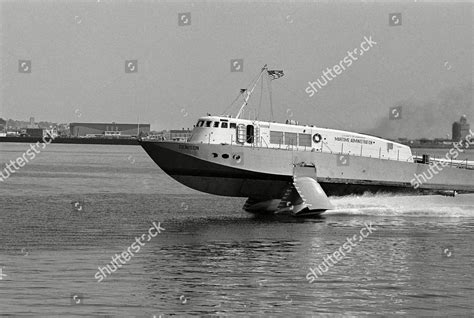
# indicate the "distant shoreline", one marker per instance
pixel 91 141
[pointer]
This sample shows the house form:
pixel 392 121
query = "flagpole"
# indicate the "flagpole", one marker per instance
pixel 261 98
pixel 269 83
pixel 250 93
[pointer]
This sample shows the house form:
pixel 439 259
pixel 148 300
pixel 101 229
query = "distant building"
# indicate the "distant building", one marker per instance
pixel 33 132
pixel 108 129
pixel 32 123
pixel 172 135
pixel 158 135
pixel 460 129
pixel 179 135
pixel 3 125
pixel 38 132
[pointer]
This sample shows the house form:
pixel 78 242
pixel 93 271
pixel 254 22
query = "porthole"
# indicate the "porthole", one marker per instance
pixel 225 156
pixel 215 155
pixel 237 158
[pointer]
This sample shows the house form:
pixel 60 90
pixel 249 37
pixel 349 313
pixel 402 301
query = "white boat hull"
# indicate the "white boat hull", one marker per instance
pixel 265 174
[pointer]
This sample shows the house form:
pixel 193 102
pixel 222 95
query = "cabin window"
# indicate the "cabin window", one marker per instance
pixel 233 125
pixel 291 139
pixel 276 137
pixel 224 125
pixel 250 134
pixel 200 123
pixel 304 140
pixel 208 123
pixel 216 124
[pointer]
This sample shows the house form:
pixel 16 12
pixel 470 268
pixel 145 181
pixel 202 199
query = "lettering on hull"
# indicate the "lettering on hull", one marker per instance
pixel 354 140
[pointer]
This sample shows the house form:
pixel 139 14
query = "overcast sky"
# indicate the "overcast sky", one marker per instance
pixel 78 52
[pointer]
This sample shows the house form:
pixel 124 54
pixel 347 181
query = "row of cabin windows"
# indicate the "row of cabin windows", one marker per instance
pixel 216 124
pixel 292 139
pixel 276 137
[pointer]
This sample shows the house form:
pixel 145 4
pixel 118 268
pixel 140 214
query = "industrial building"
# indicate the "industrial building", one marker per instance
pixel 112 130
pixel 172 135
pixel 38 132
pixel 33 132
pixel 179 135
pixel 461 129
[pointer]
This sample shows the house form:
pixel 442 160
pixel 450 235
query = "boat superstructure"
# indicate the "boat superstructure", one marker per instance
pixel 288 167
pixel 294 137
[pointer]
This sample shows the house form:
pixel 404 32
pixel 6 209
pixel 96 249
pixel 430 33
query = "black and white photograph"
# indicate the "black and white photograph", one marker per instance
pixel 236 158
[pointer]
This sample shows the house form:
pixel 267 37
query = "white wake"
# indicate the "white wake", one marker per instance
pixel 412 206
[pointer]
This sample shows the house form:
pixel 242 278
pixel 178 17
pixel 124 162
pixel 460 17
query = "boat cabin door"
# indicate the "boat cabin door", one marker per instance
pixel 250 134
pixel 246 134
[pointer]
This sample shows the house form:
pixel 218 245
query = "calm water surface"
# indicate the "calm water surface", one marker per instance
pixel 213 259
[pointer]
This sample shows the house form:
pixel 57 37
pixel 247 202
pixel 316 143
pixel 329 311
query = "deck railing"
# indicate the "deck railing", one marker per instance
pixel 455 163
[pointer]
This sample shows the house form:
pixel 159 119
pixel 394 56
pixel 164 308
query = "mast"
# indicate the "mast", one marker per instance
pixel 251 91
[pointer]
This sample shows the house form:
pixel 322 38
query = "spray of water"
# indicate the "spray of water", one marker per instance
pixel 460 206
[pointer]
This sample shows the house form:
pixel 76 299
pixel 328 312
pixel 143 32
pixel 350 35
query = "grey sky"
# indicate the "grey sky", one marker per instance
pixel 78 51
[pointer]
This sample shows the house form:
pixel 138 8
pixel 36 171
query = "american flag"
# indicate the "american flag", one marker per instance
pixel 275 74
